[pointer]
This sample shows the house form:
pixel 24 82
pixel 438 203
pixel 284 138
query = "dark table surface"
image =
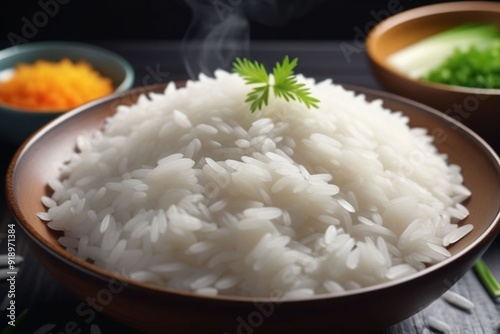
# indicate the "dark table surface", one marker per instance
pixel 51 307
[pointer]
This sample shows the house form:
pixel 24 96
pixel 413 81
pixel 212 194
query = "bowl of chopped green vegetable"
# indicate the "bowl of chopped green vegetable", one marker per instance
pixel 446 56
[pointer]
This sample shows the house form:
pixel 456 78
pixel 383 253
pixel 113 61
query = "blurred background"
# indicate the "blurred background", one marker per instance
pixel 90 20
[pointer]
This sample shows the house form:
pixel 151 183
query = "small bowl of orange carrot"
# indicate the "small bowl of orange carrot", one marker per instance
pixel 40 81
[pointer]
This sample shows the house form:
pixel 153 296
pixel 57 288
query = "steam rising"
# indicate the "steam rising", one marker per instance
pixel 220 29
pixel 216 36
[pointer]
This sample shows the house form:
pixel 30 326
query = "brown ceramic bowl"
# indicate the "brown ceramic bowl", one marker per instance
pixel 152 309
pixel 476 108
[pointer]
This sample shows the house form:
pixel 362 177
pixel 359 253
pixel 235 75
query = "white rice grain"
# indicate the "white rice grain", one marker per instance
pixel 457 234
pixel 263 213
pixel 458 300
pixel 438 324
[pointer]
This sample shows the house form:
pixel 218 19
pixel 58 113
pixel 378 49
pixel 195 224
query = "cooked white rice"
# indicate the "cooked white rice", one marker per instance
pixel 190 190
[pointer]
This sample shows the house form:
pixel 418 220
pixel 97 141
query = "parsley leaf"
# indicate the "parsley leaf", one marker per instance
pixel 285 83
pixel 253 73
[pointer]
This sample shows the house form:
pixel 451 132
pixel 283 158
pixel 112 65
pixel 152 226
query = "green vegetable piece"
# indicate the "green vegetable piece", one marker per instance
pixel 285 83
pixel 487 278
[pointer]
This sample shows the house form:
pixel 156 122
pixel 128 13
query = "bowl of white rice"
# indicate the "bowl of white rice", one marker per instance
pixel 173 203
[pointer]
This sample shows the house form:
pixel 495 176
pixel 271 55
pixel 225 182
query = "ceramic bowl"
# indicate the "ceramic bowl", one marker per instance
pixel 476 108
pixel 16 124
pixel 152 309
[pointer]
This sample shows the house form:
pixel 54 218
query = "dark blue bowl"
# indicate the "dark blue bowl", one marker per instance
pixel 17 124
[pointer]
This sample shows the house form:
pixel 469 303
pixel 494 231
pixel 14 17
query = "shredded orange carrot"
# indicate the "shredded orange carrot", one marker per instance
pixel 47 86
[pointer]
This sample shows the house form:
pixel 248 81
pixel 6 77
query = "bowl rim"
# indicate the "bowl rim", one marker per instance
pixel 102 274
pixel 415 14
pixel 14 50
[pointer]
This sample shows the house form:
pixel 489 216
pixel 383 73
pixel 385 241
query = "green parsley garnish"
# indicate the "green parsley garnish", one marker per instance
pixel 285 83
